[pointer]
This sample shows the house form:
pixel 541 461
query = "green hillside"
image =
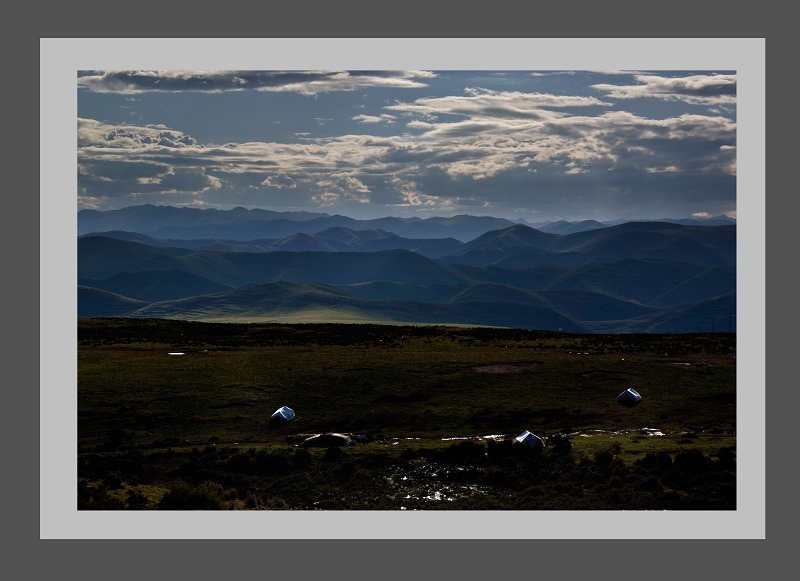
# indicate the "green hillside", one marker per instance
pixel 158 285
pixel 284 301
pixel 93 302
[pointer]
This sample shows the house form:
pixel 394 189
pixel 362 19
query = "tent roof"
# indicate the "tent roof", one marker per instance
pixel 529 439
pixel 629 397
pixel 283 413
pixel 327 440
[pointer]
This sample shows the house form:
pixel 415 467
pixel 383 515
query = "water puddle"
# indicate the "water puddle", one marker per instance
pixel 640 431
pixel 419 484
pixel 489 437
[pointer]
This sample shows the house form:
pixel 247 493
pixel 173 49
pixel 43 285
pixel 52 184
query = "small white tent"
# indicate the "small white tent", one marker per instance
pixel 331 440
pixel 284 413
pixel 629 398
pixel 528 439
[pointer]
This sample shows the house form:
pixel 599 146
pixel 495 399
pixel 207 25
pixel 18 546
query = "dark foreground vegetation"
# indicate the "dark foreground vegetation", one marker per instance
pixel 432 412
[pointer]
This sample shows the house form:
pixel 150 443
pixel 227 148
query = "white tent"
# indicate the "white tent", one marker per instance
pixel 327 441
pixel 528 439
pixel 284 413
pixel 629 398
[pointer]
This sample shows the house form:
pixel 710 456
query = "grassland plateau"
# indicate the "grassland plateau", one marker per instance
pixel 176 414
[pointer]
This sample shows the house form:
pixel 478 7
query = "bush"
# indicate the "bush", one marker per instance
pixel 659 461
pixel 466 450
pixel 302 458
pixel 691 461
pixel 95 496
pixel 241 463
pixel 727 459
pixel 559 443
pixel 136 500
pixel 332 455
pixel 182 496
pixel 607 453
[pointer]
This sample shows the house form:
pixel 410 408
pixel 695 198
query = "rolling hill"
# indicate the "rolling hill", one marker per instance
pixel 94 302
pixel 580 277
pixel 241 224
pixel 100 257
pixel 285 301
pixel 156 285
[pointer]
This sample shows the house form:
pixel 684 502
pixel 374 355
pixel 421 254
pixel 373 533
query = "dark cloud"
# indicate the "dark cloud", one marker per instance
pixel 309 82
pixel 115 169
pixel 190 180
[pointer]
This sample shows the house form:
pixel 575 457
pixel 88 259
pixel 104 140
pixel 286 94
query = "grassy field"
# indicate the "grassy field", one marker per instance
pixel 436 408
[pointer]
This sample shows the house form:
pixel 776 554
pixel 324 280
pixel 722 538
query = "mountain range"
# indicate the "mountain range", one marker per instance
pixel 653 276
pixel 240 224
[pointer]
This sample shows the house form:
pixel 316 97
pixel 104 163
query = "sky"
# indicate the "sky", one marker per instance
pixel 528 145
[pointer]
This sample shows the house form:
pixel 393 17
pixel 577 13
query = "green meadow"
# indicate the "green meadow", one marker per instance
pixel 176 414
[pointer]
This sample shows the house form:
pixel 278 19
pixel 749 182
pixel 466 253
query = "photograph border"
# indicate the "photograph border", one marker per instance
pixel 60 59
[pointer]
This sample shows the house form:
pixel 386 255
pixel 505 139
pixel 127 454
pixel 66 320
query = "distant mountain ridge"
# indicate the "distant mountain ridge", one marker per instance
pixel 241 224
pixel 516 246
pixel 582 277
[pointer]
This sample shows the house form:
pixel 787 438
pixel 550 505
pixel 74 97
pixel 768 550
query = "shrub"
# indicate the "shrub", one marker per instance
pixel 113 481
pixel 466 449
pixel 332 455
pixel 302 458
pixel 559 443
pixel 607 453
pixel 727 459
pixel 691 461
pixel 182 496
pixel 241 463
pixel 136 500
pixel 408 454
pixel 95 496
pixel 659 461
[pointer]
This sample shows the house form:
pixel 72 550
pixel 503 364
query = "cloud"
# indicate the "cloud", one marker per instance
pixel 326 199
pixel 449 153
pixel 280 180
pixel 344 187
pixel 551 73
pixel 488 104
pixel 385 118
pixel 694 89
pixel 94 133
pixel 303 82
pixel 188 180
pixel 502 130
pixel 123 160
pixel 411 196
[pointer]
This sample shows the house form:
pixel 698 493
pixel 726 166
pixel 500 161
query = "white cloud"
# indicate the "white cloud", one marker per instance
pixel 412 196
pixel 326 199
pixel 94 133
pixel 476 148
pixel 279 180
pixel 694 89
pixel 385 118
pixel 487 104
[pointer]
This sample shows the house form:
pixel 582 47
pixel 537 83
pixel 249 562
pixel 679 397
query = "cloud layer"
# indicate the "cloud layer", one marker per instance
pixel 303 82
pixel 508 152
